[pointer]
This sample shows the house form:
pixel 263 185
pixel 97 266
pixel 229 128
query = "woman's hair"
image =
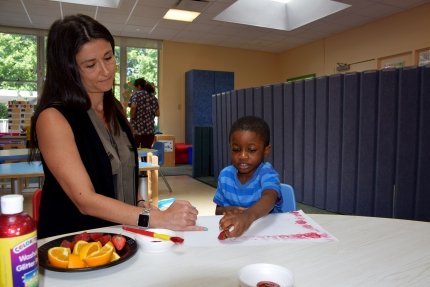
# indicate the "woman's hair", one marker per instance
pixel 63 85
pixel 140 82
pixel 150 88
pixel 253 124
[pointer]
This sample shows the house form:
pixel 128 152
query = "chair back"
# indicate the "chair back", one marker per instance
pixel 288 198
pixel 37 195
pixel 159 146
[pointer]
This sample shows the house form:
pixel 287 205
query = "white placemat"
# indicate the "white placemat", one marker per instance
pixel 292 227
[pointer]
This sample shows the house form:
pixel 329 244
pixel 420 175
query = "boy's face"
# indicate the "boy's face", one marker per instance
pixel 247 152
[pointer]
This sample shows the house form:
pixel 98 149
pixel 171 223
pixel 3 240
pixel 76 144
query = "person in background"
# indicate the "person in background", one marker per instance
pixel 249 188
pixel 144 109
pixel 86 144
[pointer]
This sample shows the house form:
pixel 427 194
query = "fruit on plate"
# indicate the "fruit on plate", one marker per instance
pixel 105 239
pixel 101 256
pixel 59 256
pixel 85 236
pixel 98 249
pixel 75 261
pixel 118 241
pixel 78 245
pixel 67 244
pixel 114 257
pixel 89 248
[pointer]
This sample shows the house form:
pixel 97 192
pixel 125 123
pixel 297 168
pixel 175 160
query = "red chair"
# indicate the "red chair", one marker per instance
pixel 36 204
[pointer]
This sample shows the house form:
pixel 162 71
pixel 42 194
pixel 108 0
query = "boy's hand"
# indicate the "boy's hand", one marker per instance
pixel 233 210
pixel 235 222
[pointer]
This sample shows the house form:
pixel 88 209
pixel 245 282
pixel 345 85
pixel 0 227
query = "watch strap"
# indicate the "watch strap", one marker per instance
pixel 143 219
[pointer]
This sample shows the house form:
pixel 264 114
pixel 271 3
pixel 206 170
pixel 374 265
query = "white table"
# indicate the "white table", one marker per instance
pixel 370 252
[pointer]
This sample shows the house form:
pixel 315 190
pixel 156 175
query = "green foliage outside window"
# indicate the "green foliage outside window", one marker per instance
pixel 3 111
pixel 18 65
pixel 141 62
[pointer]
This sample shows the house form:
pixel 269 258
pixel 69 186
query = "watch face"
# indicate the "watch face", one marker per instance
pixel 143 220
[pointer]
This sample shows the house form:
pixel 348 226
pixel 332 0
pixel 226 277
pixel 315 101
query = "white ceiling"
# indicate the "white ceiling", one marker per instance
pixel 143 19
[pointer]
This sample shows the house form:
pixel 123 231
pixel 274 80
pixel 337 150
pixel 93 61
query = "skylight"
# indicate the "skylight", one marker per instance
pixel 100 3
pixel 279 14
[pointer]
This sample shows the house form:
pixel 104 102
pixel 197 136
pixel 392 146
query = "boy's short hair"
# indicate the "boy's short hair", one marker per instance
pixel 253 124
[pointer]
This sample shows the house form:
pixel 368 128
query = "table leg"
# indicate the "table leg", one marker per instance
pixel 153 182
pixel 15 186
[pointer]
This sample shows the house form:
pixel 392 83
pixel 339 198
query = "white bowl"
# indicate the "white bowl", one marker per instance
pixel 155 245
pixel 251 275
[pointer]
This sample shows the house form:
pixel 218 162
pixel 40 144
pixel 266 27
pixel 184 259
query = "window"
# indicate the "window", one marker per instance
pixel 18 67
pixel 23 66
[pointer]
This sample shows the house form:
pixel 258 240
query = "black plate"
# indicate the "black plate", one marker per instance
pixel 126 253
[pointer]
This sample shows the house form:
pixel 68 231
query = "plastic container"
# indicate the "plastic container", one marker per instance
pixel 18 244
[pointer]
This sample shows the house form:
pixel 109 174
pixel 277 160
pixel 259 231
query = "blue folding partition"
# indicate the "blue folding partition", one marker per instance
pixel 356 143
pixel 199 87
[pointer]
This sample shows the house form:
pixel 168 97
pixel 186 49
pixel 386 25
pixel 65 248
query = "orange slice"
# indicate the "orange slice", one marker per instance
pixel 59 256
pixel 101 256
pixel 89 248
pixel 78 245
pixel 110 245
pixel 75 261
pixel 114 257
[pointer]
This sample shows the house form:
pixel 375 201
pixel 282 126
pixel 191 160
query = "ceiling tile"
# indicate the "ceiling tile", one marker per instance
pixel 143 19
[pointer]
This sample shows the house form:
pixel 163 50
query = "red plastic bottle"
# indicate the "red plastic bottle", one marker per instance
pixel 18 244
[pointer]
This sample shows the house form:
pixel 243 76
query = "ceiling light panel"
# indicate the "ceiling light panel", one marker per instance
pixel 181 15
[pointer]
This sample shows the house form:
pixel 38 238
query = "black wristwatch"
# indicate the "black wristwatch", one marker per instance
pixel 143 220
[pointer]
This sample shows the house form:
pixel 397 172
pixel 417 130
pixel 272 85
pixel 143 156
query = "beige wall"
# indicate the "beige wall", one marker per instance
pixel 402 33
pixel 250 68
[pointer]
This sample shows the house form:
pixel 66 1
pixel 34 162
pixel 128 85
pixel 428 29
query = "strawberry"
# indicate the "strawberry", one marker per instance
pixel 95 236
pixel 82 236
pixel 104 239
pixel 66 243
pixel 118 241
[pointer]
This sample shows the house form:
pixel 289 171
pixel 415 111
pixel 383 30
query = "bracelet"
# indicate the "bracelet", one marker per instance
pixel 139 201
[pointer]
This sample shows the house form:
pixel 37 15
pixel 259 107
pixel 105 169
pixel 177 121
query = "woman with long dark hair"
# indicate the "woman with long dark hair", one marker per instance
pixel 86 144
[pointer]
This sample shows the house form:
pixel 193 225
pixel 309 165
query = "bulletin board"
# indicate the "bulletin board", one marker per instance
pixel 422 57
pixel 395 61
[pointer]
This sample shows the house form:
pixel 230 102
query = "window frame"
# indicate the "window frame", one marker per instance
pixel 121 42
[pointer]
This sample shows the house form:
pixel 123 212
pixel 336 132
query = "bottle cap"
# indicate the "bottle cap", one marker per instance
pixel 12 204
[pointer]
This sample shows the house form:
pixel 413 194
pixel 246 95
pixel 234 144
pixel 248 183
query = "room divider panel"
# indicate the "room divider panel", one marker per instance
pixel 355 143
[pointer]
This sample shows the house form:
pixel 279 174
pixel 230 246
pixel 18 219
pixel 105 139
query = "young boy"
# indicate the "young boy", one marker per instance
pixel 249 188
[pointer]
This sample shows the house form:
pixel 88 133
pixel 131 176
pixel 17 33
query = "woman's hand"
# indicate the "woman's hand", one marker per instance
pixel 181 215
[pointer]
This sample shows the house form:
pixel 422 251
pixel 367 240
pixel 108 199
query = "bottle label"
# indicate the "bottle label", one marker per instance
pixel 19 261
